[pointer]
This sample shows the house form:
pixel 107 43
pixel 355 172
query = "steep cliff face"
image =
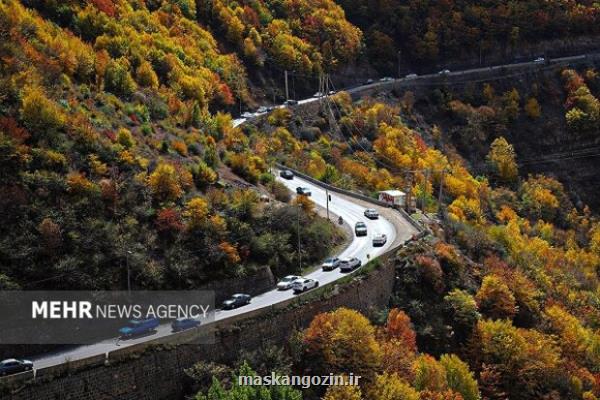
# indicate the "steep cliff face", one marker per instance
pixel 530 110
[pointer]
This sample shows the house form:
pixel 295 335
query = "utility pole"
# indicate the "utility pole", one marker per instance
pixel 287 88
pixel 299 252
pixel 408 191
pixel 441 193
pixel 424 195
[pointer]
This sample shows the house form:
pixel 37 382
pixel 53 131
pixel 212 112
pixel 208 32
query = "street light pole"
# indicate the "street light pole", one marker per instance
pixel 327 194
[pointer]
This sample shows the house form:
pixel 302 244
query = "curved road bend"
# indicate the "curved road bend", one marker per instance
pixel 351 210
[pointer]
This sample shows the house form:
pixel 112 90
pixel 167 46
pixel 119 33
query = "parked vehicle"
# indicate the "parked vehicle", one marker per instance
pixel 360 228
pixel 386 79
pixel 330 264
pixel 379 240
pixel 304 191
pixel 183 324
pixel 539 60
pixel 136 327
pixel 290 102
pixel 304 284
pixel 286 174
pixel 411 76
pixel 14 366
pixel 331 92
pixel 371 213
pixel 236 301
pixel 350 264
pixel 247 114
pixel 287 282
pixel 368 81
pixel 262 110
pixel 444 72
pixel 318 94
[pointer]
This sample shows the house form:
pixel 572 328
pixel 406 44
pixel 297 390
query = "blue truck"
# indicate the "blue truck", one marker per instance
pixel 136 327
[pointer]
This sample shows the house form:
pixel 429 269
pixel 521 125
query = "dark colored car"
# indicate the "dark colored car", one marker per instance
pixel 136 327
pixel 290 102
pixel 14 366
pixel 303 191
pixel 360 229
pixel 183 324
pixel 286 174
pixel 237 300
pixel 350 264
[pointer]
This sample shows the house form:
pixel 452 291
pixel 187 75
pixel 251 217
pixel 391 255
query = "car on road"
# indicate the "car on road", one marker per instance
pixel 290 102
pixel 303 191
pixel 183 324
pixel 444 72
pixel 386 79
pixel 350 264
pixel 331 93
pixel 286 174
pixel 287 282
pixel 247 114
pixel 371 213
pixel 304 284
pixel 318 94
pixel 330 264
pixel 360 229
pixel 379 240
pixel 236 301
pixel 411 76
pixel 262 110
pixel 137 327
pixel 539 60
pixel 369 81
pixel 14 366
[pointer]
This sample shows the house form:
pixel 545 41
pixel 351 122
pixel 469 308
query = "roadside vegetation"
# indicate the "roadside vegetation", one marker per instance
pixel 111 157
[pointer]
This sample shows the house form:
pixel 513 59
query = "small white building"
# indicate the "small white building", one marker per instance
pixel 393 197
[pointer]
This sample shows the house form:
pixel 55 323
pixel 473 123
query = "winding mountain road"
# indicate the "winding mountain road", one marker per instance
pixel 390 223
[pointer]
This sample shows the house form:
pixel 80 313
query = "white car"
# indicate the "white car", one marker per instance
pixel 379 240
pixel 371 213
pixel 411 76
pixel 350 264
pixel 539 60
pixel 247 114
pixel 262 110
pixel 318 94
pixel 444 72
pixel 331 92
pixel 287 282
pixel 304 284
pixel 386 79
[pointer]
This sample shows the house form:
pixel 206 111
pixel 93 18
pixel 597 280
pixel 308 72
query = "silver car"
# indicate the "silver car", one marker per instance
pixel 287 282
pixel 371 213
pixel 350 264
pixel 379 240
pixel 330 264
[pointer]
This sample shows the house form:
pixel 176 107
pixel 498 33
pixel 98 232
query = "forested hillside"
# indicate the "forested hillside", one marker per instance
pixel 429 32
pixel 111 148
